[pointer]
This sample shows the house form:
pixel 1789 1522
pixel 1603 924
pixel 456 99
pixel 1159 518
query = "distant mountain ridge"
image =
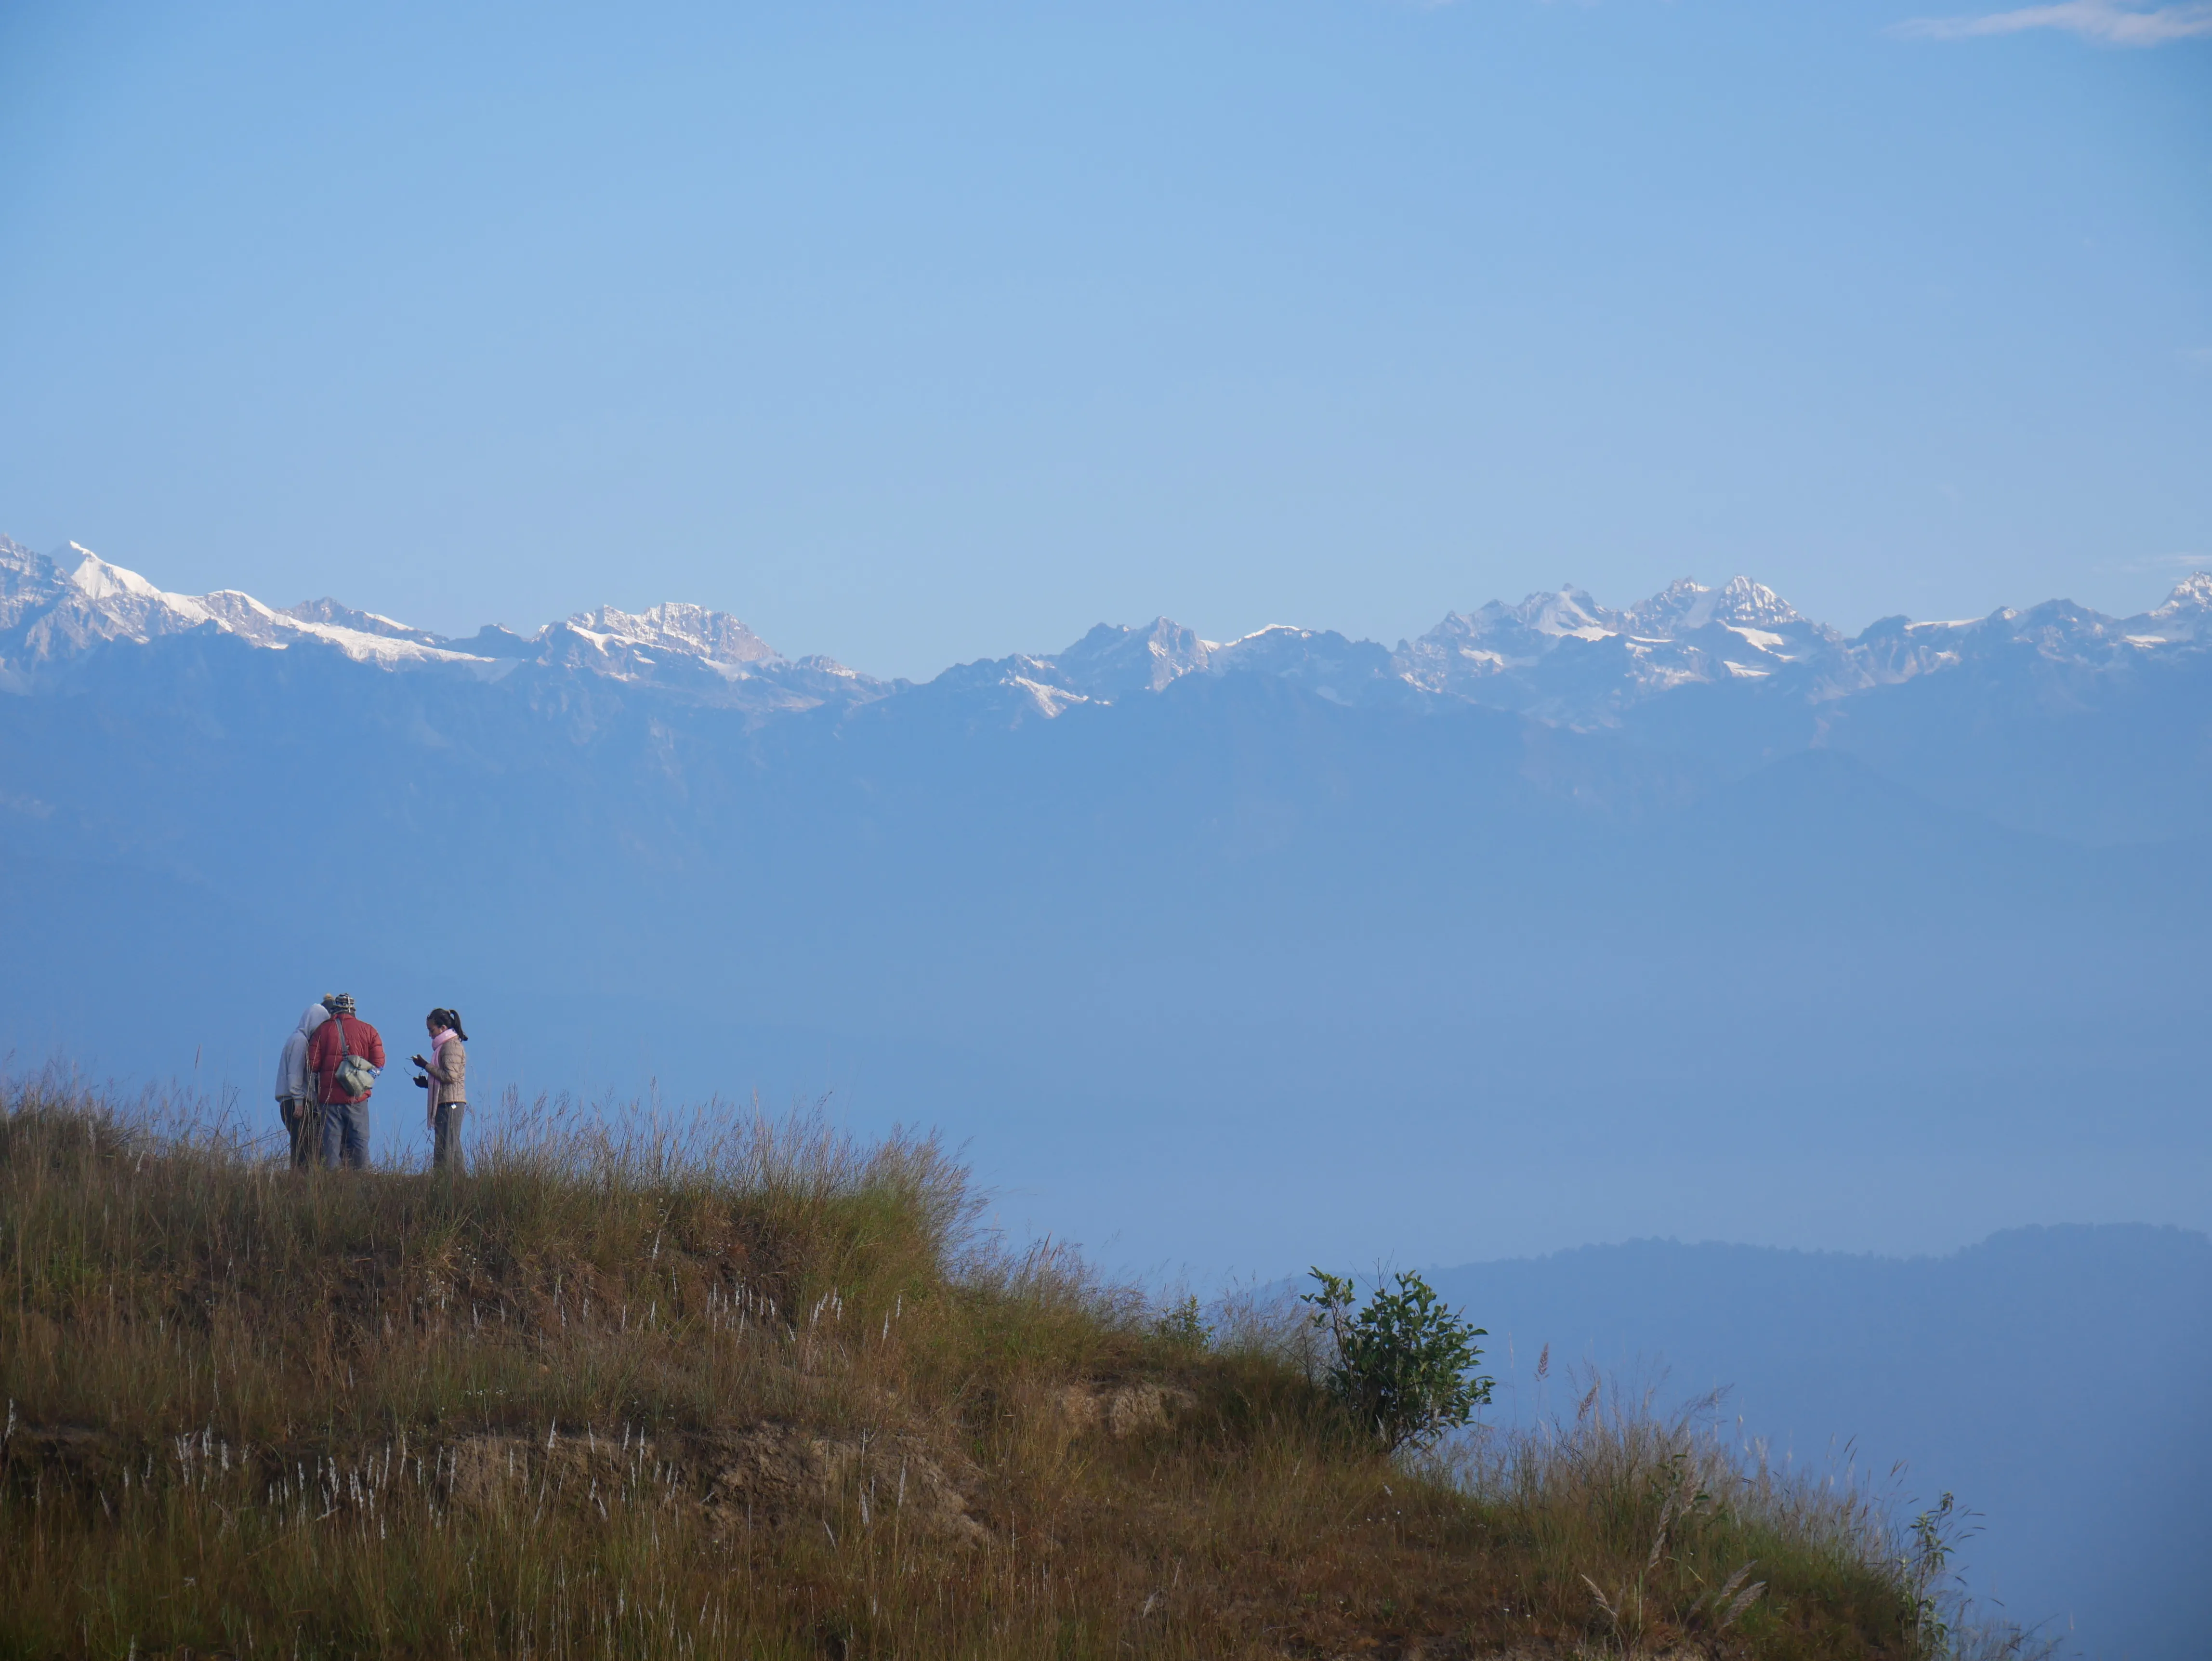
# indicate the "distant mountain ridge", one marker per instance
pixel 1560 656
pixel 2090 1519
pixel 55 609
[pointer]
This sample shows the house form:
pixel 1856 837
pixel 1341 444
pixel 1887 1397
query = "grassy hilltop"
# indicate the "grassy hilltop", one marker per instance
pixel 763 1392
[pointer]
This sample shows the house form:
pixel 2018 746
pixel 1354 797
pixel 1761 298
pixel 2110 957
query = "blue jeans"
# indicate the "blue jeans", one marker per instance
pixel 345 1132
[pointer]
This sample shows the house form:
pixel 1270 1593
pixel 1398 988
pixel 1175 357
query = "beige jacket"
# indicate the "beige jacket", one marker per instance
pixel 448 1072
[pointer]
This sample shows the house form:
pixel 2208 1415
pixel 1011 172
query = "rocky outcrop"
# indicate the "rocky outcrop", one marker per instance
pixel 738 1478
pixel 1121 1410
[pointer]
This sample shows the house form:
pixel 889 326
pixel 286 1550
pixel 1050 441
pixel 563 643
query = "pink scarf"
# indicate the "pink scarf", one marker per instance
pixel 430 1096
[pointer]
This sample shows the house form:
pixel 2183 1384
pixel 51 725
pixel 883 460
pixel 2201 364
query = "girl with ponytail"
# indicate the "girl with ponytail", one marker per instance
pixel 445 1073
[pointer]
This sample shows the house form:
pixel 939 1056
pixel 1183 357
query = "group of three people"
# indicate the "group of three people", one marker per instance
pixel 327 1073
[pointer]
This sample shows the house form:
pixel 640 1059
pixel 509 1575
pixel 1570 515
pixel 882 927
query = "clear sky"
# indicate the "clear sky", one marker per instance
pixel 918 333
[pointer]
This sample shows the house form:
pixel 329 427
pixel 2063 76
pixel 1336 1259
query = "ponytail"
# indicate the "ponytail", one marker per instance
pixel 450 1018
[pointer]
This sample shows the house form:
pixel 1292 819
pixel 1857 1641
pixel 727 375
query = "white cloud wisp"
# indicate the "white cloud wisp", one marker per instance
pixel 2096 20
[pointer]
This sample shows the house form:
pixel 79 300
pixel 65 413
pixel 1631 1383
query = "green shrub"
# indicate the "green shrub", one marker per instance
pixel 1182 1324
pixel 1404 1365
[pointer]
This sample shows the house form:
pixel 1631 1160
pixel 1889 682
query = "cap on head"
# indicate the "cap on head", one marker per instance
pixel 341 1003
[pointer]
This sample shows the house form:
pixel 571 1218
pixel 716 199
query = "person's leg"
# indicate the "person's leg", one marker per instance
pixel 449 1135
pixel 357 1136
pixel 300 1128
pixel 332 1119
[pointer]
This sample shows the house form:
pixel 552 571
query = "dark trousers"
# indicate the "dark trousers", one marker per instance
pixel 447 1148
pixel 345 1135
pixel 304 1125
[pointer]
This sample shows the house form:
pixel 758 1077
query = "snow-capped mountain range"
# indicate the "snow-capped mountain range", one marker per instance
pixel 1561 656
pixel 53 610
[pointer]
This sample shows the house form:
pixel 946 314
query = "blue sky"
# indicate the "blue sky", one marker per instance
pixel 917 333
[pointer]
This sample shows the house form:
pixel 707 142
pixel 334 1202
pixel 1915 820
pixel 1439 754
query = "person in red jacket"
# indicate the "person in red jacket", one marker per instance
pixel 345 1115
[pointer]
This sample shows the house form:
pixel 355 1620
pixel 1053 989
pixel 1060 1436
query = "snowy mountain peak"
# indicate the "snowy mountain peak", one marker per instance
pixel 1499 628
pixel 1113 658
pixel 1338 667
pixel 1113 662
pixel 78 599
pixel 1568 610
pixel 331 612
pixel 2191 602
pixel 693 630
pixel 95 579
pixel 1683 606
pixel 1743 601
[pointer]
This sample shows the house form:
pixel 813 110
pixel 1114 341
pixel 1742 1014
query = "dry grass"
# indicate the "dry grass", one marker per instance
pixel 747 1389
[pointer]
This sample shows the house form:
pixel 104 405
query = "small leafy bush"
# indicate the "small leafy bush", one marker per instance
pixel 1180 1323
pixel 1405 1365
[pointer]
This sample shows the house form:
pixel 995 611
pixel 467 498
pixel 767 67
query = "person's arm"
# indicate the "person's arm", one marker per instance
pixel 375 1048
pixel 439 1067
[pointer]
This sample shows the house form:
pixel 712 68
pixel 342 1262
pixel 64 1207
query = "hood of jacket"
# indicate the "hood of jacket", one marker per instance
pixel 292 1078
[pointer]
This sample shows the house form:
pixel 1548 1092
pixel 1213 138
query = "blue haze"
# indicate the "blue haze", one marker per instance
pixel 2052 1379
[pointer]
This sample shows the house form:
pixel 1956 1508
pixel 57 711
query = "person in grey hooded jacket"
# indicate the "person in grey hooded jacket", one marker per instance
pixel 296 1089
